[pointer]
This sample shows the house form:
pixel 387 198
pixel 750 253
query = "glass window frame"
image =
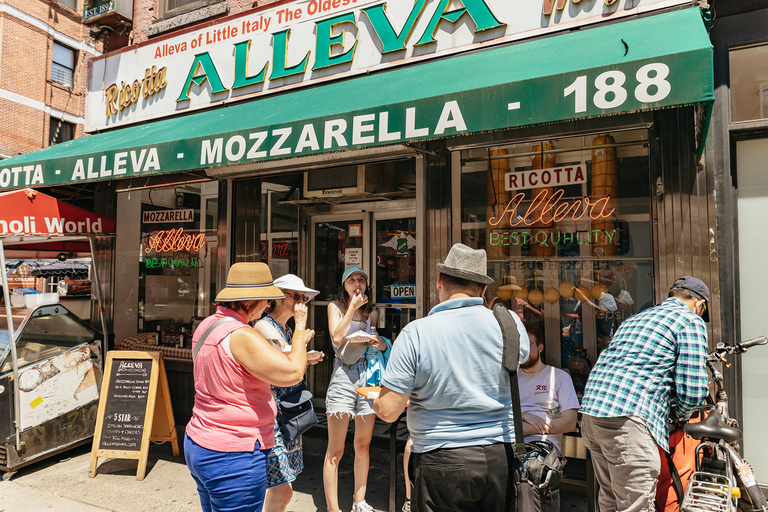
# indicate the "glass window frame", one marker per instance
pixel 270 193
pixel 66 132
pixel 733 81
pixel 63 73
pixel 646 291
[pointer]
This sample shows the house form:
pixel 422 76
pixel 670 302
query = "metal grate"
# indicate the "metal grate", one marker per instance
pixel 337 177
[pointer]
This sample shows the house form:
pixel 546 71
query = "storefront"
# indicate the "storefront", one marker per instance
pixel 570 158
pixel 737 151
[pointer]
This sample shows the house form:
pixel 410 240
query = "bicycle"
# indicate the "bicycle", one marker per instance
pixel 723 481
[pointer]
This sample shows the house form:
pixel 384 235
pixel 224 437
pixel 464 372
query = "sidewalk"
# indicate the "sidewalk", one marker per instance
pixel 61 484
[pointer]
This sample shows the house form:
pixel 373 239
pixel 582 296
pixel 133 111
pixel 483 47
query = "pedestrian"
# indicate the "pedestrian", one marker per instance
pixel 547 397
pixel 286 460
pixel 449 365
pixel 353 312
pixel 656 357
pixel 231 432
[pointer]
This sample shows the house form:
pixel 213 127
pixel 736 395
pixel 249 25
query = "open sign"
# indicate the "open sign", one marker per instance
pixel 403 291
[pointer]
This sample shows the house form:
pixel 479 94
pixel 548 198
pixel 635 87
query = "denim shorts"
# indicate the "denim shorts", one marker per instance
pixel 341 397
pixel 232 481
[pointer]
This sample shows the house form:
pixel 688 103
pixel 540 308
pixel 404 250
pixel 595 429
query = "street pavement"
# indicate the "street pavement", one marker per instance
pixel 61 483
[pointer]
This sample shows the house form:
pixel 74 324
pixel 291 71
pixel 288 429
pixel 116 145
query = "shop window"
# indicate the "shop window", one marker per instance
pixel 170 8
pixel 279 228
pixel 72 4
pixel 566 224
pixel 60 131
pixel 63 65
pixel 749 82
pixel 177 245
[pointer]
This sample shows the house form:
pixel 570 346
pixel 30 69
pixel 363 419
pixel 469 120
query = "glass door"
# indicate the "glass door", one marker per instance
pixel 394 281
pixel 337 242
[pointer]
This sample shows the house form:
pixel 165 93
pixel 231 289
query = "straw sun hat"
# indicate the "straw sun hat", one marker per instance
pixel 249 281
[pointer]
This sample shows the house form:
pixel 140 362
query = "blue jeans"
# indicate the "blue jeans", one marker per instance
pixel 228 481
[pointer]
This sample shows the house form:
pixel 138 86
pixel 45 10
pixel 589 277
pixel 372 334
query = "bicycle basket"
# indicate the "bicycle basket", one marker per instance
pixel 707 492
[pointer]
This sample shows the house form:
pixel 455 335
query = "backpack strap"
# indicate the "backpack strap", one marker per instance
pixel 511 361
pixel 677 484
pixel 208 332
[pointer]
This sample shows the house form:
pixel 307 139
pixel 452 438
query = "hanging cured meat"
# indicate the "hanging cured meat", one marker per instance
pixel 497 199
pixel 542 230
pixel 605 183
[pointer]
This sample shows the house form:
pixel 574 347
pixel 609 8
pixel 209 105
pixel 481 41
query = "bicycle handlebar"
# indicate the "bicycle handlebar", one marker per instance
pixel 723 350
pixel 762 340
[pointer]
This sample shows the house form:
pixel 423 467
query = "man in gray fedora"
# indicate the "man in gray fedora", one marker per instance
pixel 449 365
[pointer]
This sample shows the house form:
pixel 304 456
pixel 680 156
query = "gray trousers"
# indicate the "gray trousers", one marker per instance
pixel 626 462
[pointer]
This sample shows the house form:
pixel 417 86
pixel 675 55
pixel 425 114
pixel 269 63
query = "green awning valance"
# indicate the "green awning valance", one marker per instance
pixel 659 61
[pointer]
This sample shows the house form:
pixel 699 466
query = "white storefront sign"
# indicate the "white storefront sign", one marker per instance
pixel 292 45
pixel 157 216
pixel 403 291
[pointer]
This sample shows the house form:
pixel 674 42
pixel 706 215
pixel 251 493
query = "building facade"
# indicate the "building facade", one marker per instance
pixel 566 140
pixel 737 151
pixel 46 51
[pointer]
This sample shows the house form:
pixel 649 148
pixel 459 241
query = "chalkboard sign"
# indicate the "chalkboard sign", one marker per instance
pixel 127 396
pixel 134 408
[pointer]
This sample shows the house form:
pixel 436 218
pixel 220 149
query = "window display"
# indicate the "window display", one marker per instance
pixel 178 236
pixel 566 224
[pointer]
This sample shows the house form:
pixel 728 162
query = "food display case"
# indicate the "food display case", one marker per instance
pixel 58 357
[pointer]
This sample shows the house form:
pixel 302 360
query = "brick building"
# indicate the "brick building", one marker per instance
pixel 45 50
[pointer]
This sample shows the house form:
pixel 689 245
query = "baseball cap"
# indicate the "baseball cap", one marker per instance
pixel 354 270
pixel 697 286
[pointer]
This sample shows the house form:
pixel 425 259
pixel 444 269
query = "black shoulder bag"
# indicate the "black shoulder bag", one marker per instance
pixel 538 468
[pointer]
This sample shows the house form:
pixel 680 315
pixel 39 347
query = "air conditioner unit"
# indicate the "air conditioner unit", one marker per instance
pixel 349 180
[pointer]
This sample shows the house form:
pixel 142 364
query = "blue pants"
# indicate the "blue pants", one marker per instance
pixel 228 481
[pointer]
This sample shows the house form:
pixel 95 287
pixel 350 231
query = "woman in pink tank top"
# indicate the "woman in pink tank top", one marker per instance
pixel 232 427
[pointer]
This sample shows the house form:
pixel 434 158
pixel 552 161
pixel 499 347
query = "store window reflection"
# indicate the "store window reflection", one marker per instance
pixel 178 238
pixel 280 226
pixel 566 224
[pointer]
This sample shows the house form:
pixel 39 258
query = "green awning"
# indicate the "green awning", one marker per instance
pixel 659 61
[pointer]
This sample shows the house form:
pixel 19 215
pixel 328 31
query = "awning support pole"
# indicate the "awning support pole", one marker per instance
pixel 98 297
pixel 12 339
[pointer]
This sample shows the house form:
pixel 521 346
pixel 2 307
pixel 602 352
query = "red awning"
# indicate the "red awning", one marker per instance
pixel 31 216
pixel 29 212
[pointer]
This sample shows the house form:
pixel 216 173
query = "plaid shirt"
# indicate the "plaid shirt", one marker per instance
pixel 655 356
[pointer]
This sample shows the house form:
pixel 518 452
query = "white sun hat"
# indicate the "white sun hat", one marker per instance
pixel 294 283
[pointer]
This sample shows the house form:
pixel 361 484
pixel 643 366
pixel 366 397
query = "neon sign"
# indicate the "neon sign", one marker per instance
pixel 281 250
pixel 174 240
pixel 552 238
pixel 174 262
pixel 544 210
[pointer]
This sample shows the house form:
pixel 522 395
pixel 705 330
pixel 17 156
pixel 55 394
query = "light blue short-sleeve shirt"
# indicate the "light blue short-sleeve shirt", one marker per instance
pixel 450 362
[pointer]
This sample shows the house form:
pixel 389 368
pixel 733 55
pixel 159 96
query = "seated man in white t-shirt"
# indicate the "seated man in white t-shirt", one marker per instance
pixel 547 398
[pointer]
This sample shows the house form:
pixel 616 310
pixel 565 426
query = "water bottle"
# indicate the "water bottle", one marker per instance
pixel 374 378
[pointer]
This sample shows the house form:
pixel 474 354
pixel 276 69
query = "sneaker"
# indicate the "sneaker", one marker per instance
pixel 362 506
pixel 407 506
